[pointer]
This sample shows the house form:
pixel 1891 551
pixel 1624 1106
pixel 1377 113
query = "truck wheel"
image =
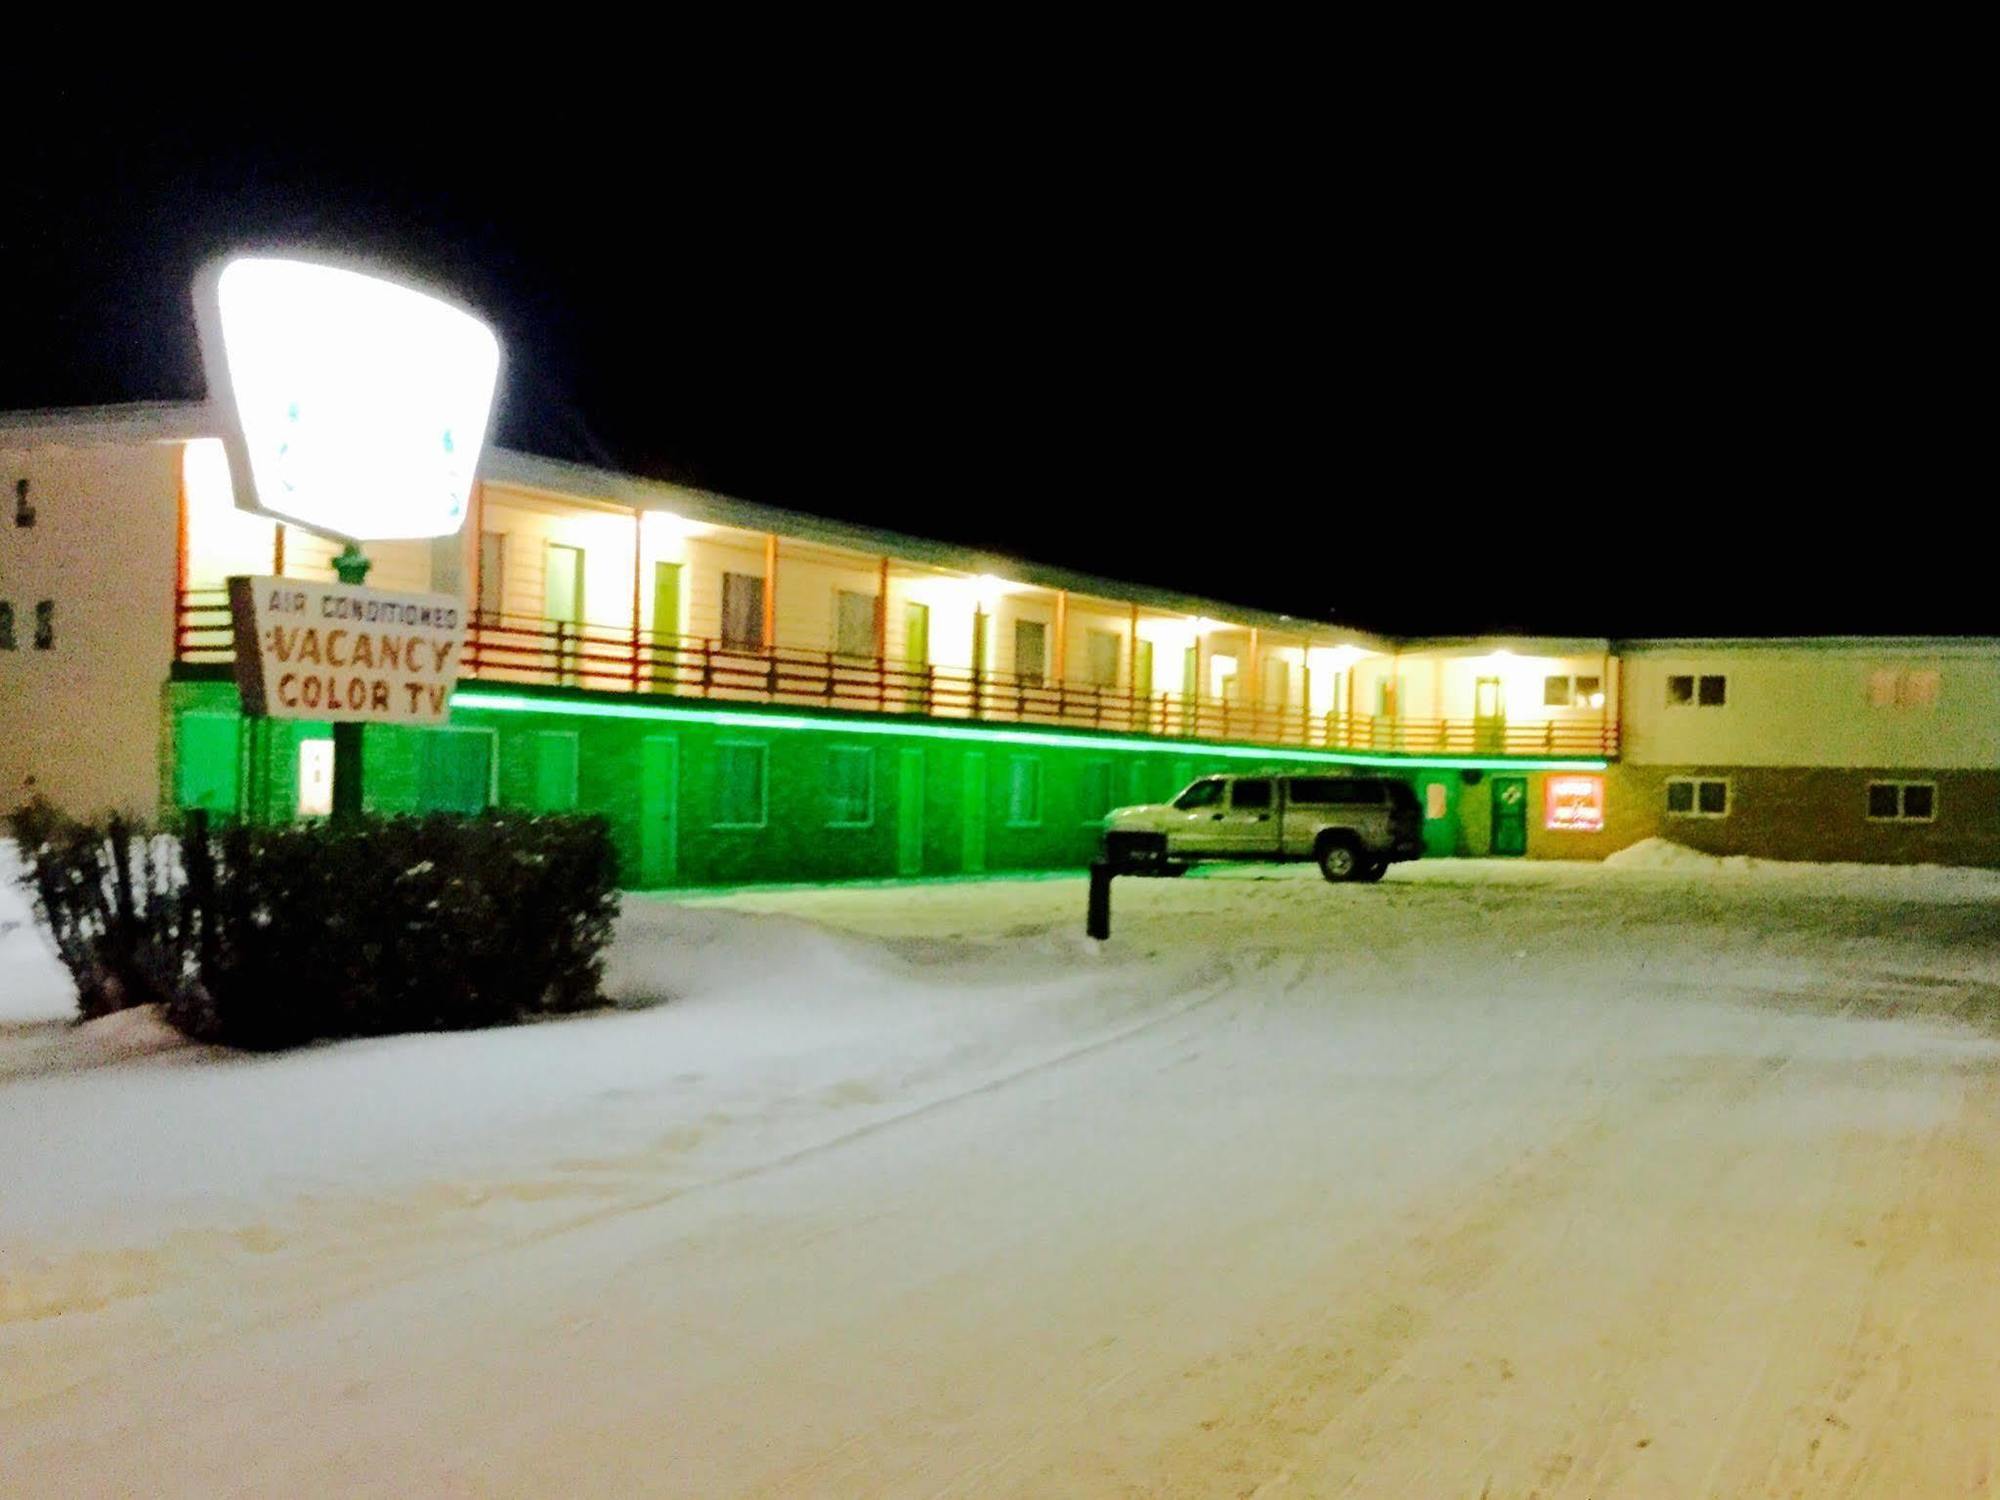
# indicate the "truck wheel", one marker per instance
pixel 1339 859
pixel 1372 870
pixel 1173 869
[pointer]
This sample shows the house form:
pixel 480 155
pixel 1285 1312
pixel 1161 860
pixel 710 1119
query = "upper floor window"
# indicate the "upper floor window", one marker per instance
pixel 1910 687
pixel 1101 647
pixel 1707 691
pixel 854 623
pixel 743 611
pixel 1556 692
pixel 1572 692
pixel 7 642
pixel 45 625
pixel 1031 648
pixel 24 513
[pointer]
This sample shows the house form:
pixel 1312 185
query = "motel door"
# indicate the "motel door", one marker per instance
pixel 916 653
pixel 1510 815
pixel 666 622
pixel 1489 715
pixel 562 605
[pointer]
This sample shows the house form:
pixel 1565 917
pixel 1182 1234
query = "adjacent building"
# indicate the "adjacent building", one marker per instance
pixel 751 694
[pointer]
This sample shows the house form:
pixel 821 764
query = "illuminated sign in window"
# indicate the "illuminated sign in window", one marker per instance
pixel 1574 804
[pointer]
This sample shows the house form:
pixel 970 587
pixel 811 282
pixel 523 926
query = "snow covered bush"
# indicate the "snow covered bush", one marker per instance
pixel 436 923
pixel 271 937
pixel 108 894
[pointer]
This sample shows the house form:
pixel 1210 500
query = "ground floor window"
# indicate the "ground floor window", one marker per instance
pixel 1697 797
pixel 739 786
pixel 456 769
pixel 315 778
pixel 1095 793
pixel 1902 801
pixel 850 786
pixel 1024 791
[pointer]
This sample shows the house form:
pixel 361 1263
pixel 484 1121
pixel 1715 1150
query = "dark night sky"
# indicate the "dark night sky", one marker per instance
pixel 1637 360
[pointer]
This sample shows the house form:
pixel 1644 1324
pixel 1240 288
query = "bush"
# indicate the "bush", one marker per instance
pixel 272 937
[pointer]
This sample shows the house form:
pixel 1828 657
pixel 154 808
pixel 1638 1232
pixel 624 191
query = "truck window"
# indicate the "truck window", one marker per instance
pixel 1202 794
pixel 1251 794
pixel 1401 797
pixel 1312 791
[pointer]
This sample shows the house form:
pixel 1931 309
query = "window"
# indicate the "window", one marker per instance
pixel 1206 793
pixel 739 786
pixel 1101 649
pixel 1142 669
pixel 1031 644
pixel 455 769
pixel 1708 691
pixel 1556 692
pixel 1898 688
pixel 492 572
pixel 1024 790
pixel 854 623
pixel 1697 797
pixel 1094 792
pixel 45 625
pixel 1902 801
pixel 7 642
pixel 743 611
pixel 850 786
pixel 1251 796
pixel 1590 692
pixel 24 513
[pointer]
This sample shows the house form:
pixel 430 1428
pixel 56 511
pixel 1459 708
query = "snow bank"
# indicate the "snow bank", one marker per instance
pixel 1954 883
pixel 1665 854
pixel 34 988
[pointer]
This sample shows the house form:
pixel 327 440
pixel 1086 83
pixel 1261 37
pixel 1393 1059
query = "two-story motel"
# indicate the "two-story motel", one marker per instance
pixel 750 694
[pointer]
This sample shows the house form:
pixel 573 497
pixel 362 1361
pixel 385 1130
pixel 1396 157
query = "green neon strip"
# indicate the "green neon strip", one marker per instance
pixel 510 703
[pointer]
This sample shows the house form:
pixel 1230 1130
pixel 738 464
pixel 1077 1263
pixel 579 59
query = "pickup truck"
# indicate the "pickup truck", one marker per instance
pixel 1353 827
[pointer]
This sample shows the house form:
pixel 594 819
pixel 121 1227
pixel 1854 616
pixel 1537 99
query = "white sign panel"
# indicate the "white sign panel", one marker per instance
pixel 340 652
pixel 359 405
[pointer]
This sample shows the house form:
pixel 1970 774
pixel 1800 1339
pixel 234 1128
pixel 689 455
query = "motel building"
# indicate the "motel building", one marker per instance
pixel 749 694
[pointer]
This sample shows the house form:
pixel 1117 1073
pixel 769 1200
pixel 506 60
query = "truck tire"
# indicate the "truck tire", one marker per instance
pixel 1340 858
pixel 1372 870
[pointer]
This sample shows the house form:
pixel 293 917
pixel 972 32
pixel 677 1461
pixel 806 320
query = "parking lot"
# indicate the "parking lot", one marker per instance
pixel 1492 1179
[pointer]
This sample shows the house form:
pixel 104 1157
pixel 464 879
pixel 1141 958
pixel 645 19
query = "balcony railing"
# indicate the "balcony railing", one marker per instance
pixel 520 649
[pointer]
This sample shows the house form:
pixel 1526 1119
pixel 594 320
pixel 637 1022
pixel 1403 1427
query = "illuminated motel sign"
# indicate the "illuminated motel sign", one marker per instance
pixel 1573 804
pixel 353 406
pixel 356 407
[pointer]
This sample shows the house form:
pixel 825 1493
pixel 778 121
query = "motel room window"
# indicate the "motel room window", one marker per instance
pixel 1697 797
pixel 24 513
pixel 1589 692
pixel 743 611
pixel 1902 801
pixel 1579 692
pixel 1556 692
pixel 45 625
pixel 739 786
pixel 1101 648
pixel 1024 791
pixel 1142 669
pixel 7 642
pixel 850 786
pixel 1710 690
pixel 1094 791
pixel 1031 647
pixel 854 623
pixel 492 573
pixel 456 770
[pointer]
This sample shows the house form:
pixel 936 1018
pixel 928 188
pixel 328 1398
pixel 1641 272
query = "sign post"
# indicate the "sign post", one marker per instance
pixel 351 567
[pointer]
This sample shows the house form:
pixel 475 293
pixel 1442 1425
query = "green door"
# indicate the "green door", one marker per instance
pixel 1489 715
pixel 562 604
pixel 455 770
pixel 910 812
pixel 207 756
pixel 1510 815
pixel 917 652
pixel 1437 793
pixel 659 810
pixel 972 815
pixel 666 622
pixel 555 770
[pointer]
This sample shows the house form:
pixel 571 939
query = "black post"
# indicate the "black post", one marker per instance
pixel 1098 922
pixel 352 568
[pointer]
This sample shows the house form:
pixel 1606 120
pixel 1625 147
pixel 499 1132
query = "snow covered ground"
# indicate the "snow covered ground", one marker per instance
pixel 1670 1176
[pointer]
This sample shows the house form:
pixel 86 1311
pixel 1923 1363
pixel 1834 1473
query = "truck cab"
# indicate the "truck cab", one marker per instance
pixel 1353 827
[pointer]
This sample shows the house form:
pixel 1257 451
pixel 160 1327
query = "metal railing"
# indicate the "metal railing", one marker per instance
pixel 531 651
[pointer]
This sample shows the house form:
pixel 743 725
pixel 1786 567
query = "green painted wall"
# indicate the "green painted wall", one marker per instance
pixel 659 783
